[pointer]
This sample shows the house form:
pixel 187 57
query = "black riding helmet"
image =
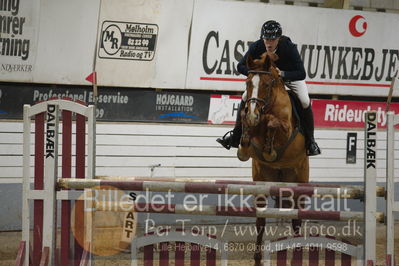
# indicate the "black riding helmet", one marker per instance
pixel 271 30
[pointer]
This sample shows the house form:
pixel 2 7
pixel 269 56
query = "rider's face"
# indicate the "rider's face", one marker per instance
pixel 271 44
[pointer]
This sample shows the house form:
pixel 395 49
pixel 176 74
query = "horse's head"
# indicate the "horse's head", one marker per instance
pixel 262 78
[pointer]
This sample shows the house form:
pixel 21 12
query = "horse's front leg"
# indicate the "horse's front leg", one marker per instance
pixel 243 148
pixel 296 223
pixel 303 177
pixel 260 229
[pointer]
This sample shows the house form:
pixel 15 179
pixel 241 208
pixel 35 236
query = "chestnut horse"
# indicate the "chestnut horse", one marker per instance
pixel 271 135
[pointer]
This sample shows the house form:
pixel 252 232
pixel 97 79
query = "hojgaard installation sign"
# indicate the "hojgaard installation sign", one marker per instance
pixel 344 52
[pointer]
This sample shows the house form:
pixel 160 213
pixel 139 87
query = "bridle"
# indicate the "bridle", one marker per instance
pixel 258 101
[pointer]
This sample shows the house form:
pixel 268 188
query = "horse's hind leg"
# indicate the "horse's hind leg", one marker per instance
pixel 302 173
pixel 296 226
pixel 296 223
pixel 260 228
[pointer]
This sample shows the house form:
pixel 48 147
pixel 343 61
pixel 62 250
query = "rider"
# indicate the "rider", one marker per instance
pixel 291 70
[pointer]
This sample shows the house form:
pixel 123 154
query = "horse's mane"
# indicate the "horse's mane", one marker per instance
pixel 265 63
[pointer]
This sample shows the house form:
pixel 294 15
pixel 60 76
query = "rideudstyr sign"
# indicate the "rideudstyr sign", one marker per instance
pixel 348 114
pixel 344 52
pixel 327 113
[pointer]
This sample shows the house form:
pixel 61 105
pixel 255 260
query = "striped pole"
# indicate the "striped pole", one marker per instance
pixel 380 191
pixel 261 188
pixel 212 210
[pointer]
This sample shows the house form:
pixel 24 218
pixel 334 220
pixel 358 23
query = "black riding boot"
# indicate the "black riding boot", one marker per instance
pixel 311 146
pixel 233 137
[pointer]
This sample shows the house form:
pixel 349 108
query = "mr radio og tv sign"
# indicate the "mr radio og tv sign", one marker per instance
pixel 128 40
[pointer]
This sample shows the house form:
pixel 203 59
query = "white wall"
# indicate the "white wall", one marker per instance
pixel 182 150
pixel 130 149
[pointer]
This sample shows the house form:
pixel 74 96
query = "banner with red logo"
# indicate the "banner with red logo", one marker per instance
pixel 345 52
pixel 144 44
pixel 327 113
pixel 348 114
pixel 223 109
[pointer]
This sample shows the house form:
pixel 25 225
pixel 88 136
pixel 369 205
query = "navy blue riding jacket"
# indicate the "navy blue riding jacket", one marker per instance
pixel 289 62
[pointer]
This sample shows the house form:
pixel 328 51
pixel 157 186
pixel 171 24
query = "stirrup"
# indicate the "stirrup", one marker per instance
pixel 313 149
pixel 226 141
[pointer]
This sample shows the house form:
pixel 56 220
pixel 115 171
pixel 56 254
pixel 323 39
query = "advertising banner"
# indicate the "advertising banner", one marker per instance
pixel 66 44
pixel 19 22
pixel 223 109
pixel 327 113
pixel 114 104
pixel 130 41
pixel 344 52
pixel 351 147
pixel 348 114
pixel 143 43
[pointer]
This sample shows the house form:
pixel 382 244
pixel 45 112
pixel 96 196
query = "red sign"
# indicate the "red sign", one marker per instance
pixel 348 114
pixel 327 113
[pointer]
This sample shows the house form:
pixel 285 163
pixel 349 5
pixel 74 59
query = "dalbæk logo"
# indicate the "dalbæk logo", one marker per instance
pixel 357 26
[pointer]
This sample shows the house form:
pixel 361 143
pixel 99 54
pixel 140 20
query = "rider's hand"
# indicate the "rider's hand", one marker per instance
pixel 280 73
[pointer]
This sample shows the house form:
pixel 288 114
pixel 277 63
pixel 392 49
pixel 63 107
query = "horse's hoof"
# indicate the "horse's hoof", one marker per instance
pixel 270 157
pixel 242 156
pixel 258 259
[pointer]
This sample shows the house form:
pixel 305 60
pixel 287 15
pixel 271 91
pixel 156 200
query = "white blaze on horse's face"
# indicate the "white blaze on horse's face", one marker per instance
pixel 253 116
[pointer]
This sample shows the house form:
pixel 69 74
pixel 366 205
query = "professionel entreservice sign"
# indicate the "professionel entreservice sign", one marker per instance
pixel 344 52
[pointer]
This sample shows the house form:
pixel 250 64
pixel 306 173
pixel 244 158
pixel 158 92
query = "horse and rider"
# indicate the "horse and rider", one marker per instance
pixel 290 69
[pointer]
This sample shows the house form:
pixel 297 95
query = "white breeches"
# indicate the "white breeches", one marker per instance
pixel 298 87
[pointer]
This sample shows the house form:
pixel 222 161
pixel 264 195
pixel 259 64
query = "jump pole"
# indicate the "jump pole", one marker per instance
pixel 246 188
pixel 370 176
pixel 380 190
pixel 236 211
pixel 391 206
